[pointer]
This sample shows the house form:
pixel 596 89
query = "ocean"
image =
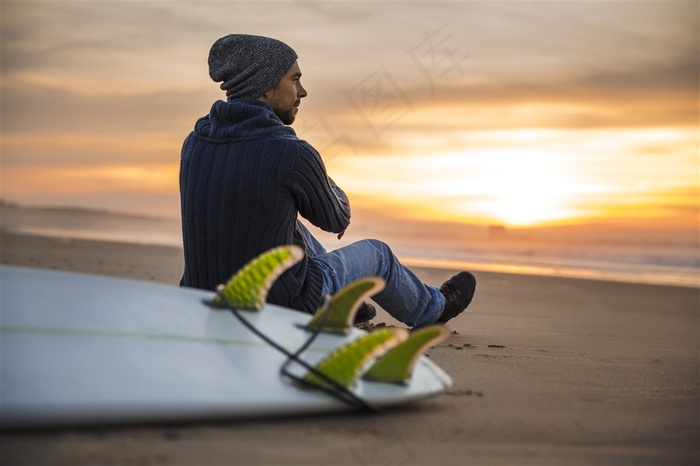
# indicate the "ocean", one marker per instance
pixel 661 267
pixel 669 262
pixel 679 266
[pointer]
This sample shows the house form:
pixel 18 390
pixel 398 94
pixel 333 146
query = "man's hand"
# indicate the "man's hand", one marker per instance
pixel 338 192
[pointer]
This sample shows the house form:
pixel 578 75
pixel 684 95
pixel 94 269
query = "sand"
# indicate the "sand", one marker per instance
pixel 547 371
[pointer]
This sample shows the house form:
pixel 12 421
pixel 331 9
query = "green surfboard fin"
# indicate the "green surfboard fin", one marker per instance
pixel 397 364
pixel 248 287
pixel 344 305
pixel 345 363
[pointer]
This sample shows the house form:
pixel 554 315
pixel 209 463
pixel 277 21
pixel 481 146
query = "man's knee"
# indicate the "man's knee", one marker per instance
pixel 379 245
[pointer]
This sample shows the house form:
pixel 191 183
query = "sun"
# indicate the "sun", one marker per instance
pixel 516 187
pixel 513 186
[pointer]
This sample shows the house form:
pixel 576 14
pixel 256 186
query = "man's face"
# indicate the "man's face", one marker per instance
pixel 286 97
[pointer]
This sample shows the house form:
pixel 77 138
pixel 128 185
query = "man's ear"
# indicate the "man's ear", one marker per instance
pixel 266 96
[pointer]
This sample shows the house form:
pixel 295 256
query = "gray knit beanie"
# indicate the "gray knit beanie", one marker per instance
pixel 248 66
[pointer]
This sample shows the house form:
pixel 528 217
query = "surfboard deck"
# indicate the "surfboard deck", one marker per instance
pixel 82 349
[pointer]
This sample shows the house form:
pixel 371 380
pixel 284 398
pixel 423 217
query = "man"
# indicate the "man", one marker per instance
pixel 245 178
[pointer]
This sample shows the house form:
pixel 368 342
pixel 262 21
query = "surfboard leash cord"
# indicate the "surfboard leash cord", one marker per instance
pixel 332 386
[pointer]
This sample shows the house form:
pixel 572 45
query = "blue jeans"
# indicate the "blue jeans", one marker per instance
pixel 405 297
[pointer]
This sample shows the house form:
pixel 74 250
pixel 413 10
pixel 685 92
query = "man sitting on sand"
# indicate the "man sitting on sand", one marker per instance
pixel 245 178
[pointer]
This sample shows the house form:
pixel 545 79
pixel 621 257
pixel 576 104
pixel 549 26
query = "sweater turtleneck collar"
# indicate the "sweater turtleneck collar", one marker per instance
pixel 236 119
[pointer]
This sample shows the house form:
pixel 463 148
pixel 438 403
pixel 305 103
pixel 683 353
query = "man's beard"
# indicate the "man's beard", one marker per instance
pixel 287 116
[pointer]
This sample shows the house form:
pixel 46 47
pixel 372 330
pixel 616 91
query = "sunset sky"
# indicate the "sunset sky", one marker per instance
pixel 513 113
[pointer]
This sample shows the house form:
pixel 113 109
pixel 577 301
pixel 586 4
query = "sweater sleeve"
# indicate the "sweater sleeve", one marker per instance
pixel 317 198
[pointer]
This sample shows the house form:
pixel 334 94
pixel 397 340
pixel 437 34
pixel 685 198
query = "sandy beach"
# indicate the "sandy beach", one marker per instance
pixel 547 371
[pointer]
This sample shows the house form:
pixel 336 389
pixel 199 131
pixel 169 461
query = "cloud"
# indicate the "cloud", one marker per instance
pixel 48 111
pixel 647 97
pixel 94 85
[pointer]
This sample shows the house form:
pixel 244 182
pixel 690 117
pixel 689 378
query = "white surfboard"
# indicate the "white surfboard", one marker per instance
pixel 82 349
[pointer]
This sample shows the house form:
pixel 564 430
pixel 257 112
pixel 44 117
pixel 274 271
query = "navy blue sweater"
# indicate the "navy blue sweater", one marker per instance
pixel 244 179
